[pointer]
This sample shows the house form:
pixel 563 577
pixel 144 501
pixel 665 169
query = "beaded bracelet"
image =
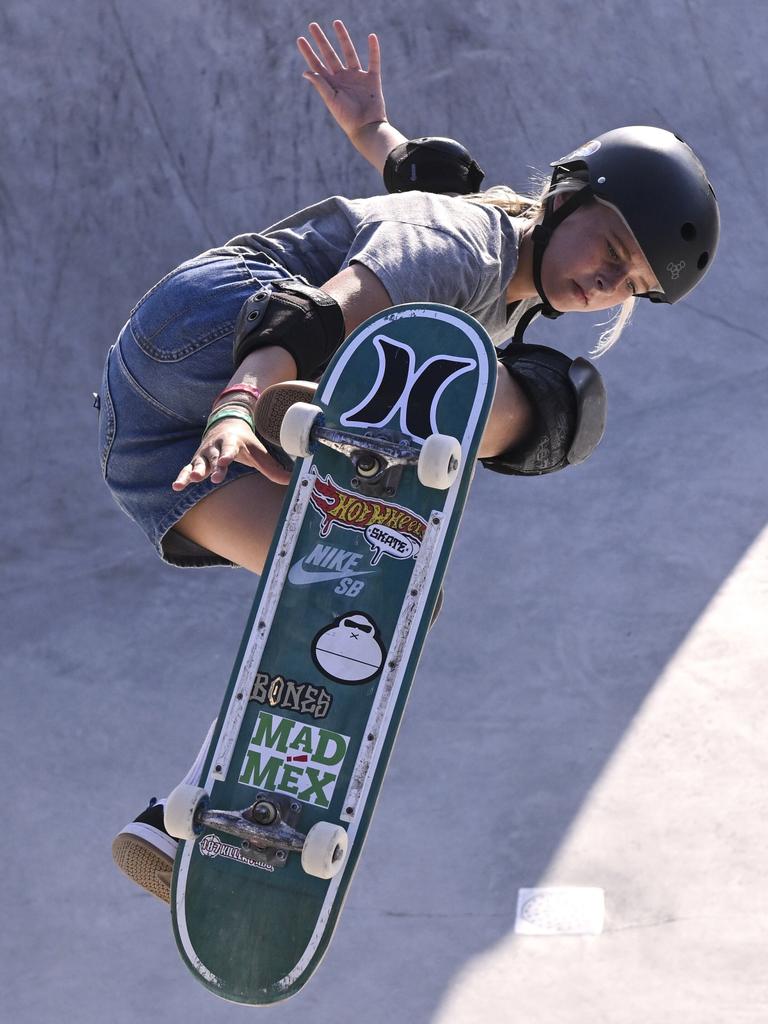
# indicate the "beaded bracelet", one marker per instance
pixel 248 388
pixel 224 414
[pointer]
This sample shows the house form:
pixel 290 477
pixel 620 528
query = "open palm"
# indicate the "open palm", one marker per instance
pixel 352 95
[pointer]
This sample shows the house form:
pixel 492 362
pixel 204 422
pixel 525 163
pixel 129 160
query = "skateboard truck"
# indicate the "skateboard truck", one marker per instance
pixel 378 461
pixel 266 829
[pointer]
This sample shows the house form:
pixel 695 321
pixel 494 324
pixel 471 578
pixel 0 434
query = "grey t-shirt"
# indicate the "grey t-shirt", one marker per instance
pixel 422 247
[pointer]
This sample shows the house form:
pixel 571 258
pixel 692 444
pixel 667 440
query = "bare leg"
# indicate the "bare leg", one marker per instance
pixel 237 521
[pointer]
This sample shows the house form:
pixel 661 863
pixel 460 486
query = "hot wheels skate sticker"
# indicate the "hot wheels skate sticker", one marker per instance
pixel 285 756
pixel 386 541
pixel 279 692
pixel 211 846
pixel 327 564
pixel 401 389
pixel 350 511
pixel 349 649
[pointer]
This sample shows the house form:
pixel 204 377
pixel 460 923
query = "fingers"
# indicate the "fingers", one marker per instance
pixel 326 90
pixel 220 465
pixel 330 59
pixel 215 459
pixel 347 46
pixel 327 52
pixel 313 61
pixel 254 454
pixel 374 54
pixel 203 464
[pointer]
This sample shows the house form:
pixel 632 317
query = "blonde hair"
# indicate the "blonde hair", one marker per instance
pixel 529 208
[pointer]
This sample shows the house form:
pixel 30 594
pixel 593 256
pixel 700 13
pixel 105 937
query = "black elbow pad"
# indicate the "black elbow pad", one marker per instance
pixel 432 165
pixel 305 321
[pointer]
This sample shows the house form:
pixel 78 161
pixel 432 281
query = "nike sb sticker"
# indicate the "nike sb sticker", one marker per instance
pixel 327 564
pixel 285 756
pixel 349 649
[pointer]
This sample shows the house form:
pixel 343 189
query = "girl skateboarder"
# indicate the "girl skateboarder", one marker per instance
pixel 629 214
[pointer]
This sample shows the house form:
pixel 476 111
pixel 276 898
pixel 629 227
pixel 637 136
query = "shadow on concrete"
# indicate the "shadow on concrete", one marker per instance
pixel 141 134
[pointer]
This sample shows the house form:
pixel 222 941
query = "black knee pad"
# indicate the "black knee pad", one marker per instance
pixel 567 397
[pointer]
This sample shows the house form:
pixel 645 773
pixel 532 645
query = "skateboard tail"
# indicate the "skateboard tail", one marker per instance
pixel 240 975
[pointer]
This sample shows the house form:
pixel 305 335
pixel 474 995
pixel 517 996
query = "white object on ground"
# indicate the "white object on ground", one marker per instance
pixel 560 910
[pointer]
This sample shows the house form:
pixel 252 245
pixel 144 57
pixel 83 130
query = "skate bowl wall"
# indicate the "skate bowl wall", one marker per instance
pixel 607 617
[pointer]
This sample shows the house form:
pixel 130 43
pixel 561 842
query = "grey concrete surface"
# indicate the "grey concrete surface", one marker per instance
pixel 610 620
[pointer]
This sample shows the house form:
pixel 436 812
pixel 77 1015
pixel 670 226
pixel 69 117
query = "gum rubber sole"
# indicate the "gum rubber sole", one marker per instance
pixel 274 401
pixel 144 864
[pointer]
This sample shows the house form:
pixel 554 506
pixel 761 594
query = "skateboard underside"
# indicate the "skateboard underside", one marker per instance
pixel 324 670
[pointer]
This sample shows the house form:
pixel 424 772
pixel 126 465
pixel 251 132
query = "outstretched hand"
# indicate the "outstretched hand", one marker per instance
pixel 228 441
pixel 352 95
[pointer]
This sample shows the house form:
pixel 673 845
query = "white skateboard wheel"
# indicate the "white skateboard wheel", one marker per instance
pixel 296 428
pixel 181 807
pixel 325 850
pixel 439 461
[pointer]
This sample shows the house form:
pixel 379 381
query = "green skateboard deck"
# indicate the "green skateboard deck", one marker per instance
pixel 323 673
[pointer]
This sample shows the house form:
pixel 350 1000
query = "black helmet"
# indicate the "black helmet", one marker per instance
pixel 658 185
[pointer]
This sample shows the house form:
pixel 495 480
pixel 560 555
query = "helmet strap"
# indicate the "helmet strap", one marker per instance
pixel 542 234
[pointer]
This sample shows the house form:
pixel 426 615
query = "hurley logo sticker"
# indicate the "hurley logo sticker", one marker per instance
pixel 290 757
pixel 403 391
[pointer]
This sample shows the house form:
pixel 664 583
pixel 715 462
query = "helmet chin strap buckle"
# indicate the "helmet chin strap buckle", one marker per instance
pixel 530 315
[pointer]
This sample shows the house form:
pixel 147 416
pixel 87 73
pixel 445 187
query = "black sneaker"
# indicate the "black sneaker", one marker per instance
pixel 145 852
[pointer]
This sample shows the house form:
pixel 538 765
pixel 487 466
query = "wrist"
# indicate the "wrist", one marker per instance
pixel 375 141
pixel 364 131
pixel 227 413
pixel 241 395
pixel 264 366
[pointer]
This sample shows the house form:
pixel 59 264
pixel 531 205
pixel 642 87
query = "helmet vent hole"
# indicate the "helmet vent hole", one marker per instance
pixel 703 260
pixel 688 231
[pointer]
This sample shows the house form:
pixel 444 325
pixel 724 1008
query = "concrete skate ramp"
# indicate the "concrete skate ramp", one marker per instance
pixel 609 620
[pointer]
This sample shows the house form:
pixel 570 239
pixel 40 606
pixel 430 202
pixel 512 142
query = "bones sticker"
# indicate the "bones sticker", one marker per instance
pixel 583 151
pixel 279 692
pixel 349 649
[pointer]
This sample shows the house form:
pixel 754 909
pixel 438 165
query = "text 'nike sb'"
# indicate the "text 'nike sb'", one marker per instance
pixel 325 564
